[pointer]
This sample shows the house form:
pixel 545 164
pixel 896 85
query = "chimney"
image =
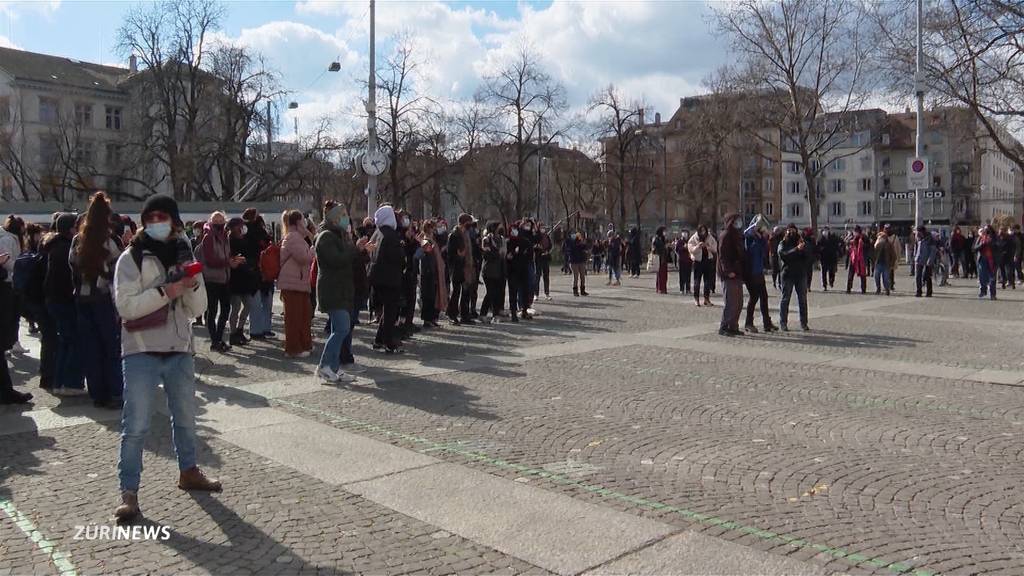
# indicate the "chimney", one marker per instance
pixel 657 118
pixel 133 63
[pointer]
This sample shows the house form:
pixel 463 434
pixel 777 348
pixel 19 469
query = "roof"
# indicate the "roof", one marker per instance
pixel 60 71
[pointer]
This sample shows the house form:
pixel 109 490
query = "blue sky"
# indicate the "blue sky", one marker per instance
pixel 655 50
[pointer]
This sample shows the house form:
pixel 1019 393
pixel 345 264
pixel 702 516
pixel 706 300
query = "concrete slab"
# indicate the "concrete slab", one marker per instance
pixel 1006 377
pixel 326 453
pixel 901 367
pixel 223 418
pixel 550 530
pixel 693 553
pixel 47 419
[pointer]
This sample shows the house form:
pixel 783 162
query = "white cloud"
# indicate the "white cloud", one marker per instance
pixel 658 51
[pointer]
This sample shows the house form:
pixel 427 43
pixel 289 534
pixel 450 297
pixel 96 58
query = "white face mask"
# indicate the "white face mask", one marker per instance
pixel 515 233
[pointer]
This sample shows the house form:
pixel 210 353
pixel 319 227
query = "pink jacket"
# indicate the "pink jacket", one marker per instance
pixel 296 257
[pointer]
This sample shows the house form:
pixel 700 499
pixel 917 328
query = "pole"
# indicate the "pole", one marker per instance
pixel 371 117
pixel 540 160
pixel 919 92
pixel 270 129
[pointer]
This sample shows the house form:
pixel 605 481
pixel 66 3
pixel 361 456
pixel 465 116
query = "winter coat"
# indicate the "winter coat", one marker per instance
pixel 494 267
pixel 697 253
pixel 858 255
pixel 925 252
pixel 386 267
pixel 59 287
pixel 10 244
pixel 100 286
pixel 793 260
pixel 335 257
pixel 139 292
pixel 244 279
pixel 755 247
pixel 296 257
pixel 215 254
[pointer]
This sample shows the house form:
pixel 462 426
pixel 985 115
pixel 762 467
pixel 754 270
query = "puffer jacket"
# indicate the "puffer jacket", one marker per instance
pixel 696 254
pixel 215 254
pixel 296 257
pixel 138 293
pixel 335 258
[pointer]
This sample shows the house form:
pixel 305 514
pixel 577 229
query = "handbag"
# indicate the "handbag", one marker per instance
pixel 154 319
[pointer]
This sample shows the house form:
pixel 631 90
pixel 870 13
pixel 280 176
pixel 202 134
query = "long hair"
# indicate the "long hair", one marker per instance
pixel 93 238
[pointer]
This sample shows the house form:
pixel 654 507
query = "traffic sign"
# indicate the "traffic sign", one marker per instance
pixel 917 173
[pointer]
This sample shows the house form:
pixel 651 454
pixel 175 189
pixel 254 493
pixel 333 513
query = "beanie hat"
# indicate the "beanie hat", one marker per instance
pixel 66 222
pixel 162 203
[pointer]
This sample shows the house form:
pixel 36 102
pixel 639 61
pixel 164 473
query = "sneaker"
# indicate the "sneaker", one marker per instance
pixel 394 350
pixel 343 377
pixel 326 374
pixel 547 297
pixel 531 311
pixel 751 328
pixel 353 368
pixel 805 327
pixel 584 293
pixel 784 327
pixel 495 319
pixel 72 392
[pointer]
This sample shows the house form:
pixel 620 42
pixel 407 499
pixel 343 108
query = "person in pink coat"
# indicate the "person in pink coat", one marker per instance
pixel 294 285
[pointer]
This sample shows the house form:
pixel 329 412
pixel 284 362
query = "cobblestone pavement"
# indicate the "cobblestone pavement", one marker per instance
pixel 886 441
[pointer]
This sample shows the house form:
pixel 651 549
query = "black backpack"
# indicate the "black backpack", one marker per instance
pixel 29 275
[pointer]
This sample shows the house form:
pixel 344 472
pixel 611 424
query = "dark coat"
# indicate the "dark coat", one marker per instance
pixel 731 252
pixel 59 285
pixel 386 268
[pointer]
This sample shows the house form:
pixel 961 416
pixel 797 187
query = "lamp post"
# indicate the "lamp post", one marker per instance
pixel 919 93
pixel 371 113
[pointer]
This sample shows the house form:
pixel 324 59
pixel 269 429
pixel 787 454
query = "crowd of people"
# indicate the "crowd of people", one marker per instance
pixel 115 303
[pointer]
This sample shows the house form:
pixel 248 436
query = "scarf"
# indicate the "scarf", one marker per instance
pixel 170 253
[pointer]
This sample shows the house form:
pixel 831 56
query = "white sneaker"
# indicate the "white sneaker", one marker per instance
pixel 344 377
pixel 353 368
pixel 531 311
pixel 548 296
pixel 18 349
pixel 495 319
pixel 326 374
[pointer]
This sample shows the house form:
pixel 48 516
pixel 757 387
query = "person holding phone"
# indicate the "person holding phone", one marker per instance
pixel 157 301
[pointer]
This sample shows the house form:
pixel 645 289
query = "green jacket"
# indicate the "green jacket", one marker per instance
pixel 335 256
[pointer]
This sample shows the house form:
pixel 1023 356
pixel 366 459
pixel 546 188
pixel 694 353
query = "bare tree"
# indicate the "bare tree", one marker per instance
pixel 810 63
pixel 526 101
pixel 172 40
pixel 617 124
pixel 973 52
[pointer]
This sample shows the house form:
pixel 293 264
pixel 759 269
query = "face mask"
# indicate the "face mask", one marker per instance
pixel 442 229
pixel 159 231
pixel 515 233
pixel 542 230
pixel 245 230
pixel 344 222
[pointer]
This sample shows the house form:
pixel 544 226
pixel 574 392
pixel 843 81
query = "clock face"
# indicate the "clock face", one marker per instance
pixel 374 163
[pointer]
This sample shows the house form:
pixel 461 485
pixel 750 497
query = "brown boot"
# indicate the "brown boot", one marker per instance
pixel 194 479
pixel 129 508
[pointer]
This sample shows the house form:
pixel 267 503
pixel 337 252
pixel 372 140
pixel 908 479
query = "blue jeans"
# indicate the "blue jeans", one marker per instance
pixel 100 338
pixel 614 270
pixel 788 285
pixel 143 373
pixel 341 330
pixel 882 277
pixel 262 310
pixel 986 279
pixel 69 371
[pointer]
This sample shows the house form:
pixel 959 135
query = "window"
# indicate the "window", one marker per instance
pixel 795 210
pixel 83 114
pixel 837 186
pixel 793 167
pixel 5 110
pixel 85 153
pixel 815 166
pixel 865 163
pixel 113 155
pixel 49 110
pixel 836 208
pixel 865 184
pixel 886 163
pixel 793 187
pixel 748 187
pixel 886 183
pixel 960 205
pixel 864 208
pixel 769 163
pixel 769 185
pixel 936 181
pixel 49 152
pixel 838 165
pixel 113 118
pixel 886 207
pixel 769 209
pixel 936 206
pixel 885 139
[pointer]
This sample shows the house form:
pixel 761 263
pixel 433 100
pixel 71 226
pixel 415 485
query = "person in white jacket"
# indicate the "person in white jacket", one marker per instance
pixel 157 302
pixel 10 244
pixel 703 250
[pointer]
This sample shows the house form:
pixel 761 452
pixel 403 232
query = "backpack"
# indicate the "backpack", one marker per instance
pixel 29 274
pixel 270 262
